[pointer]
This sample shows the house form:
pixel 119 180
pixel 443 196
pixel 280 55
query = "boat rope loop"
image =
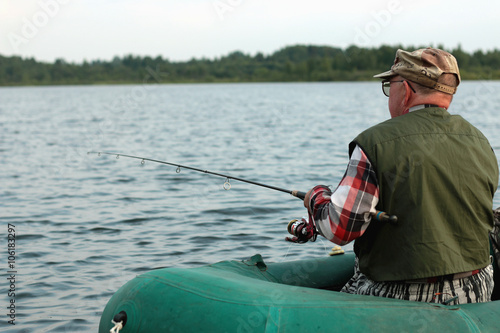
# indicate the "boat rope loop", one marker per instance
pixel 119 320
pixel 117 327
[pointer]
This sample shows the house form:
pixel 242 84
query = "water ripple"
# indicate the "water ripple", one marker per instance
pixel 85 225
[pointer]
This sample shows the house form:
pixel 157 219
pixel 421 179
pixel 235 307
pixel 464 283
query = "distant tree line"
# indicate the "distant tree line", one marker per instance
pixel 292 63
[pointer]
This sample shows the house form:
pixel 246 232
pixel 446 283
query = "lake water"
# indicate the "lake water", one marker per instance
pixel 86 224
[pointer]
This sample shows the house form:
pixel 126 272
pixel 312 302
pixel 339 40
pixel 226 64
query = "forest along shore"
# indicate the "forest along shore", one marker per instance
pixel 289 64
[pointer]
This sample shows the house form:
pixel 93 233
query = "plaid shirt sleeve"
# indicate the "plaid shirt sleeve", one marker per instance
pixel 344 215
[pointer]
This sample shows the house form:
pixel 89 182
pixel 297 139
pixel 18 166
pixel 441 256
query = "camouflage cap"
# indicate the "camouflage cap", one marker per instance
pixel 424 67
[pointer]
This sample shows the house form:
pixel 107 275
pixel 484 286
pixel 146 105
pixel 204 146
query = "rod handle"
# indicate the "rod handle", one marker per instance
pixel 378 215
pixel 384 217
pixel 298 194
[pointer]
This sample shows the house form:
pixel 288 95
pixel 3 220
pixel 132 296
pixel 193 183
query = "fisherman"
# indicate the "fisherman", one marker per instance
pixel 436 172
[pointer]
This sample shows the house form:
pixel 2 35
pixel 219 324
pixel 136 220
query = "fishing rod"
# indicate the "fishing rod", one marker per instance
pixel 379 215
pixel 227 184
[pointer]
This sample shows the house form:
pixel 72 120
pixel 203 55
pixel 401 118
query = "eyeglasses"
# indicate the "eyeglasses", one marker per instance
pixel 386 86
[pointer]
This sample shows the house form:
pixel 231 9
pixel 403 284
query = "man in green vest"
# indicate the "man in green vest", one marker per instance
pixel 436 172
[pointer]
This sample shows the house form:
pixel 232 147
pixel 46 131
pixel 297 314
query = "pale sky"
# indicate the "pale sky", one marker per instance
pixel 78 30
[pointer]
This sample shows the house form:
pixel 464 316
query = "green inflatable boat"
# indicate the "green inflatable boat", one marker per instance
pixel 294 296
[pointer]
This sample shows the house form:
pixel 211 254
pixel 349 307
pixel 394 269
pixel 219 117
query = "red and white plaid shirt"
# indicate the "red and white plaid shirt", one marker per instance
pixel 344 215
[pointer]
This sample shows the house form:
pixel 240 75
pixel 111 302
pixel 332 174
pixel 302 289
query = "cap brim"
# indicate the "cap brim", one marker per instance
pixel 385 75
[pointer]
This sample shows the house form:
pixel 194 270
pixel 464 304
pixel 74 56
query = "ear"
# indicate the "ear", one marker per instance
pixel 408 93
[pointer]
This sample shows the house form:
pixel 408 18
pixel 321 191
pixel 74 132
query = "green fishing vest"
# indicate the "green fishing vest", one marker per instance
pixel 437 173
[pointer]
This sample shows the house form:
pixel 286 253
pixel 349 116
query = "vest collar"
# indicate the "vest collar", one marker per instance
pixel 423 106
